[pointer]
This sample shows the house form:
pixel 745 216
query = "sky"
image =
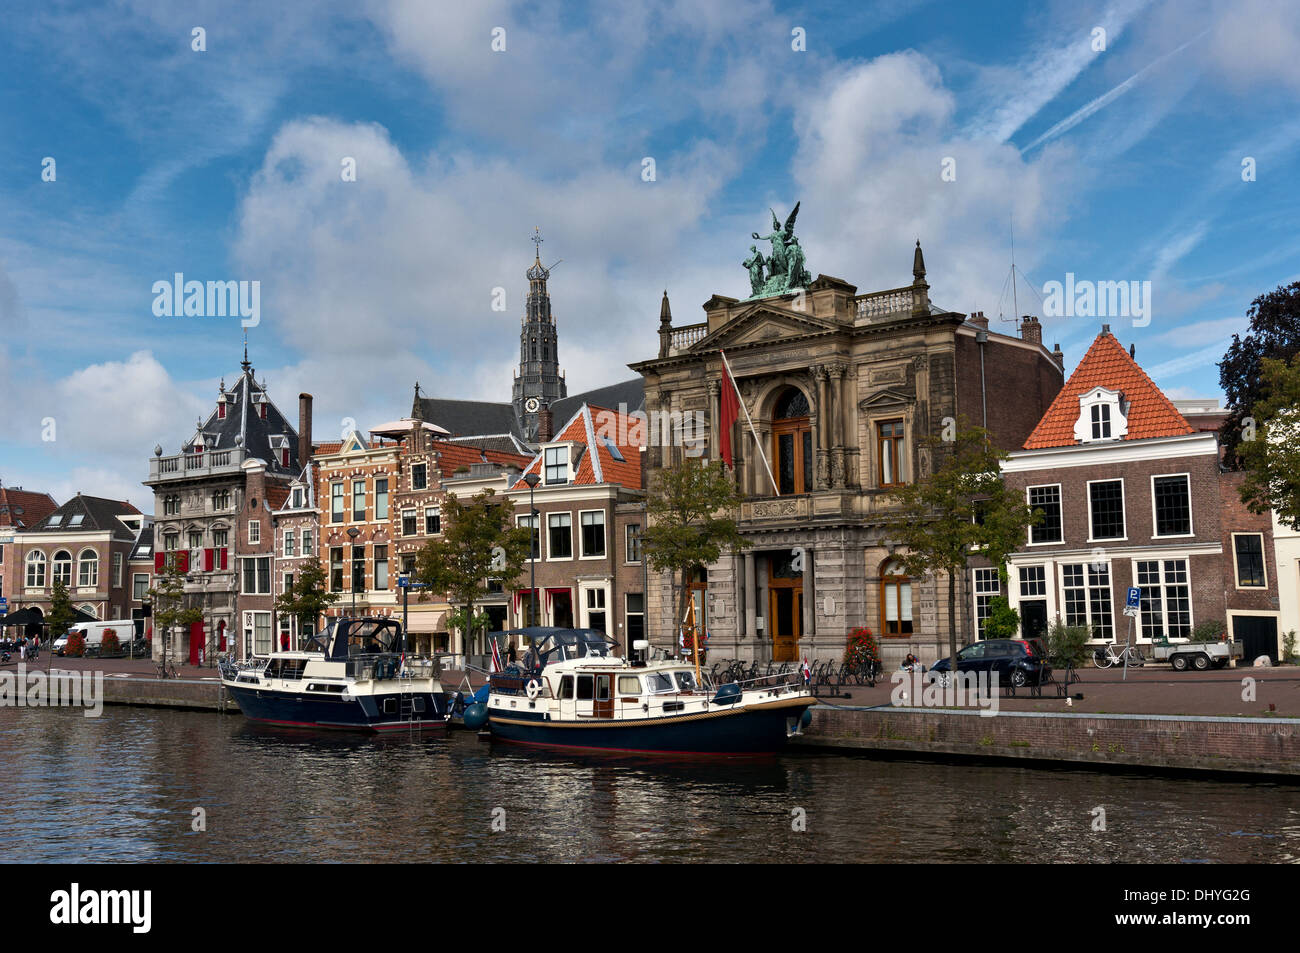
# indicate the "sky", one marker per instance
pixel 1128 140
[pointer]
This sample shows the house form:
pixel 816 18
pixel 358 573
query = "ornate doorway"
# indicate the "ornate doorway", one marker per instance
pixel 792 448
pixel 784 608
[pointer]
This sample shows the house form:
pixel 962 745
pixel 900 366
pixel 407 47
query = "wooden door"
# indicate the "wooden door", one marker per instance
pixel 785 612
pixel 604 701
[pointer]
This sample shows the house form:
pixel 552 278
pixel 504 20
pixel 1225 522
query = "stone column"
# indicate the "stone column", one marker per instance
pixel 715 422
pixel 809 596
pixel 751 595
pixel 822 464
pixel 848 423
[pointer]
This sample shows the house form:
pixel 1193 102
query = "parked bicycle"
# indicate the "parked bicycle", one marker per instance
pixel 1106 657
pixel 166 670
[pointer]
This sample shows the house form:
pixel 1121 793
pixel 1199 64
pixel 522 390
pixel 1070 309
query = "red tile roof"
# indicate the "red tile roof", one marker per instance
pixel 454 455
pixel 598 428
pixel 35 507
pixel 1107 364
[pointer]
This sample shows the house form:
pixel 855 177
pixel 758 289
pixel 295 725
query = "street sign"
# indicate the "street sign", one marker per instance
pixel 1130 611
pixel 1134 597
pixel 3 602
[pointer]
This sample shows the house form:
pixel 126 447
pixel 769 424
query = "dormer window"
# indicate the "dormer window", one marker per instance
pixel 1102 416
pixel 221 410
pixel 557 465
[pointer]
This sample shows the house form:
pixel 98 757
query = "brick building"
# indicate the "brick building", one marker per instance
pixel 296 526
pixel 19 510
pixel 1132 495
pixel 590 506
pixel 843 389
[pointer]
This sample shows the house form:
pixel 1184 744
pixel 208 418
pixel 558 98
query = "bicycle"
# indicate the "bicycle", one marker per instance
pixel 167 670
pixel 1106 657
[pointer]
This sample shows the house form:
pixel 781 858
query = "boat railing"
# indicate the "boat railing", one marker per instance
pixel 386 666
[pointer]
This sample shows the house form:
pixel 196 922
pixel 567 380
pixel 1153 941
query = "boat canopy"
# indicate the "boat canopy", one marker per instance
pixel 344 638
pixel 559 645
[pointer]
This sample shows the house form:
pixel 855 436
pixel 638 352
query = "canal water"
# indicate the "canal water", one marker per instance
pixel 123 787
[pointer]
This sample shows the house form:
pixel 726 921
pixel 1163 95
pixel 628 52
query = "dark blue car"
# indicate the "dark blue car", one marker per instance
pixel 1011 661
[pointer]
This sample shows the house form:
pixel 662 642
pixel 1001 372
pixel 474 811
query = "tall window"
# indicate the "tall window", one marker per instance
pixel 219 538
pixel 557 465
pixel 336 569
pixel 1101 421
pixel 196 539
pixel 358 568
pixel 62 567
pixel 1085 590
pixel 1047 499
pixel 306 542
pixel 1166 605
pixel 635 616
pixel 1248 548
pixel 139 586
pixel 36 570
pixel 559 535
pixel 336 502
pixel 358 500
pixel 895 600
pixel 593 532
pixel 419 476
pixel 987 587
pixel 1173 505
pixel 432 520
pixel 381 499
pixel 408 523
pixel 1106 503
pixel 792 442
pixel 254 531
pixel 257 576
pixel 595 600
pixel 891 453
pixel 633 543
pixel 381 568
pixel 117 570
pixel 297 498
pixel 531 523
pixel 290 542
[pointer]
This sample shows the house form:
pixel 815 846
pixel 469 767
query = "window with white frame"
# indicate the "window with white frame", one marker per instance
pixel 381 499
pixel 36 570
pixel 336 502
pixel 1248 554
pixel 88 569
pixel 633 546
pixel 254 531
pixel 1033 582
pixel 592 523
pixel 1165 608
pixel 1101 416
pixel 559 531
pixel 1047 499
pixel 196 539
pixel 1085 596
pixel 531 522
pixel 307 542
pixel 987 588
pixel 117 570
pixel 358 500
pixel 261 632
pixel 557 465
pixel 1106 509
pixel 63 567
pixel 290 542
pixel 408 523
pixel 635 613
pixel 432 520
pixel 139 586
pixel 1172 503
pixel 256 575
pixel 595 602
pixel 220 538
pixel 419 476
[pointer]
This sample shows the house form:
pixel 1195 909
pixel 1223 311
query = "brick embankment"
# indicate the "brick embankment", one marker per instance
pixel 1257 746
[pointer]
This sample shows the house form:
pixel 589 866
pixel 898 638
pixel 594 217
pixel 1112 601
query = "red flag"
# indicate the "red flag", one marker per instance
pixel 730 402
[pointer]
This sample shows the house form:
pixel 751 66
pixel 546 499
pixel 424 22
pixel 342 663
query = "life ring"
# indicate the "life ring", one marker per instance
pixel 533 688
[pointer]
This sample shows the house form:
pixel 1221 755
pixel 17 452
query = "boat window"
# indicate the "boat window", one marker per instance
pixel 686 681
pixel 659 683
pixel 585 688
pixel 566 687
pixel 602 688
pixel 629 685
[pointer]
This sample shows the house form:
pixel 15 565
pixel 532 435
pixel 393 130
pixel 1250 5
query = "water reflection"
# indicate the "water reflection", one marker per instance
pixel 122 787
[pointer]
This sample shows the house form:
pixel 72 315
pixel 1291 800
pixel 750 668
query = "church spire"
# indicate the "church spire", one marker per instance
pixel 539 381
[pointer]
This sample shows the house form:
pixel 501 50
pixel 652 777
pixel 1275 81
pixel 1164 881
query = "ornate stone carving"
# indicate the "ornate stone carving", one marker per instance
pixel 837 468
pixel 920 362
pixel 823 469
pixel 775 508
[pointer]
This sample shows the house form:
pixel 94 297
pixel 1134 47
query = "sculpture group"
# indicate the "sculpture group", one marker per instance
pixel 783 269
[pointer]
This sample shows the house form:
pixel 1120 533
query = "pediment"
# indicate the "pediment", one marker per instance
pixel 763 324
pixel 885 397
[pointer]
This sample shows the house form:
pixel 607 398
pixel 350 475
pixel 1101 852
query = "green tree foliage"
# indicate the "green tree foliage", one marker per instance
pixel 1003 621
pixel 309 597
pixel 61 611
pixel 168 598
pixel 1068 643
pixel 691 511
pixel 935 523
pixel 1274 333
pixel 479 542
pixel 1272 458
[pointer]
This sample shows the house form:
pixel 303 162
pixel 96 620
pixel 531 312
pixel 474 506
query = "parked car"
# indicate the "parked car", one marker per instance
pixel 93 633
pixel 1013 661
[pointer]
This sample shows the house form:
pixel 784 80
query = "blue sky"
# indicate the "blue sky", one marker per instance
pixel 224 164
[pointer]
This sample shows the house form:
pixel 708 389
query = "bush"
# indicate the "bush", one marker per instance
pixel 76 646
pixel 1068 643
pixel 109 645
pixel 862 647
pixel 1211 631
pixel 1003 621
pixel 1288 648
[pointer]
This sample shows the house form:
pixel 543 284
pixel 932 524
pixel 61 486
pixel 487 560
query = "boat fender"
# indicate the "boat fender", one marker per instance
pixel 476 716
pixel 728 694
pixel 533 688
pixel 806 719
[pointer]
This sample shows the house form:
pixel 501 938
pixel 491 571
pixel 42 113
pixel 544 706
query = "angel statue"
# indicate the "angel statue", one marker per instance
pixel 796 275
pixel 755 263
pixel 785 265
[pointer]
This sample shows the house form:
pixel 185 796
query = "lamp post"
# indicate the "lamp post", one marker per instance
pixel 353 533
pixel 534 543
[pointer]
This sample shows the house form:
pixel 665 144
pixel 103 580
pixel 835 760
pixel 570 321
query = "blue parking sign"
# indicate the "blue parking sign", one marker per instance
pixel 1134 597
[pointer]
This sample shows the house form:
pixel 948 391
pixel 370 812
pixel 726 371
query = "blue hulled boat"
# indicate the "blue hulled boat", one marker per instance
pixel 353 675
pixel 572 692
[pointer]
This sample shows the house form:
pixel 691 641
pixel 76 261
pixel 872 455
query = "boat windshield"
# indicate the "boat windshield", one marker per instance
pixel 349 637
pixel 659 683
pixel 686 681
pixel 569 644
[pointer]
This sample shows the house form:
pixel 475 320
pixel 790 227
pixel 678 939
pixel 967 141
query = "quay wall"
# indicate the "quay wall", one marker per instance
pixel 168 693
pixel 1258 746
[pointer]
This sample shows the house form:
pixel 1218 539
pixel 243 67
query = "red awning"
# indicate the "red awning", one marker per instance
pixel 551 593
pixel 521 595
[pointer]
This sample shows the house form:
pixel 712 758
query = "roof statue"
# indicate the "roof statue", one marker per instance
pixel 783 270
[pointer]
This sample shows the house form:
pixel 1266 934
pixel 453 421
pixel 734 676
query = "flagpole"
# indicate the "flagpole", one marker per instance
pixel 757 442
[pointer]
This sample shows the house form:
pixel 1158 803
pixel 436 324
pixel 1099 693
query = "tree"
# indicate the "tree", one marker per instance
pixel 1274 333
pixel 61 611
pixel 936 524
pixel 1272 457
pixel 308 597
pixel 168 598
pixel 479 541
pixel 691 515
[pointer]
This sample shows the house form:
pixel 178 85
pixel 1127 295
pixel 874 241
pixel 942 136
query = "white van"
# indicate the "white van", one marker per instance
pixel 93 633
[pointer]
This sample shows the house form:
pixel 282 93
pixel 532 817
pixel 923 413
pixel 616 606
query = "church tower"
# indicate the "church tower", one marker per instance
pixel 538 380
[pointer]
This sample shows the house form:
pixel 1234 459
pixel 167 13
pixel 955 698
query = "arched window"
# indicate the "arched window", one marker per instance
pixel 792 449
pixel 88 568
pixel 895 599
pixel 36 570
pixel 89 610
pixel 62 567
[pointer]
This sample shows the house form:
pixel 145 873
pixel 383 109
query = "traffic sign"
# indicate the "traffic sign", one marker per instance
pixel 1130 611
pixel 1134 597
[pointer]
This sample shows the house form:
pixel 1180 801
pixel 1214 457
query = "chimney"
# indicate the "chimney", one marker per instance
pixel 304 429
pixel 255 488
pixel 1030 330
pixel 544 424
pixel 1058 356
pixel 979 320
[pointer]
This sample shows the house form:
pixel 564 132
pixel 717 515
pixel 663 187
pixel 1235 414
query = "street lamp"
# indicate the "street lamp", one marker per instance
pixel 353 533
pixel 534 542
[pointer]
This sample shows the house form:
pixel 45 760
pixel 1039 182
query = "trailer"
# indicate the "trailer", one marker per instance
pixel 1183 654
